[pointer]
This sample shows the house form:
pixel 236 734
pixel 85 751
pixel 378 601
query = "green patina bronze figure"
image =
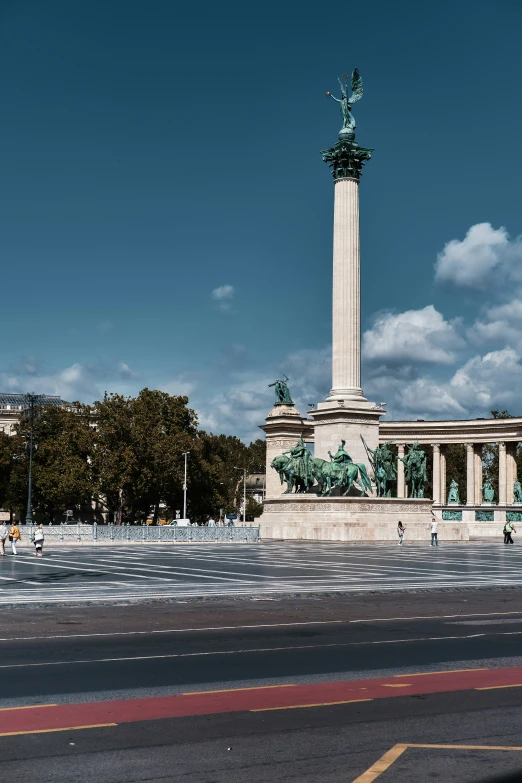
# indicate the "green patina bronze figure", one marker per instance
pixel 347 158
pixel 282 392
pixel 346 102
pixel 416 471
pixel 341 472
pixel 382 461
pixel 488 493
pixel 517 492
pixel 296 469
pixel 453 494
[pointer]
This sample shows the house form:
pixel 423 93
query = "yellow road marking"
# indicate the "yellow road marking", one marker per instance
pixel 49 731
pixel 397 685
pixel 385 762
pixel 302 706
pixel 449 671
pixel 496 687
pixel 381 765
pixel 29 707
pixel 237 690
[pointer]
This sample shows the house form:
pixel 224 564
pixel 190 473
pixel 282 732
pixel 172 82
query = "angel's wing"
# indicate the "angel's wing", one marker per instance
pixel 357 86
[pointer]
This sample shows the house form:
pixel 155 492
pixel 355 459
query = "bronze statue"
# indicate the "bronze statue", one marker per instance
pixel 281 391
pixel 346 102
pixel 416 471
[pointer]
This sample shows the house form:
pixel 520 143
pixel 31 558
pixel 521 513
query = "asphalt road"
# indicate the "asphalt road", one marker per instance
pixel 155 653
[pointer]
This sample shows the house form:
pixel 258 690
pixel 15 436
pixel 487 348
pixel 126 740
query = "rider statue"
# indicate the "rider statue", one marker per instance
pixel 282 392
pixel 340 460
pixel 416 471
pixel 453 494
pixel 382 461
pixel 300 463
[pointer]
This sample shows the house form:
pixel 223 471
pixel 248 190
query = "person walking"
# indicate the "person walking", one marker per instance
pixel 3 536
pixel 14 537
pixel 39 541
pixel 434 532
pixel 509 528
pixel 400 532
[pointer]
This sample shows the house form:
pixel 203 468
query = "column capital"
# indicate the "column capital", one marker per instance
pixel 501 445
pixel 435 447
pixel 400 448
pixel 470 447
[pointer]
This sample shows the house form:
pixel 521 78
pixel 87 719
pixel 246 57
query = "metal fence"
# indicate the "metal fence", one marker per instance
pixel 148 534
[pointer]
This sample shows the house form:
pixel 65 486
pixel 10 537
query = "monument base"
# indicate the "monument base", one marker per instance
pixel 356 519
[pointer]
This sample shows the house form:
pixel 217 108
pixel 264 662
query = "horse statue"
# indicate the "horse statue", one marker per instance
pixel 296 469
pixel 340 472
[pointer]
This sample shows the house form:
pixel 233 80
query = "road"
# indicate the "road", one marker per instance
pixel 291 689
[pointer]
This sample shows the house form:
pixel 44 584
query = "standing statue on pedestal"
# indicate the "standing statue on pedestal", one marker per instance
pixel 488 493
pixel 347 102
pixel 453 494
pixel 517 492
pixel 340 472
pixel 297 469
pixel 416 471
pixel 382 461
pixel 282 392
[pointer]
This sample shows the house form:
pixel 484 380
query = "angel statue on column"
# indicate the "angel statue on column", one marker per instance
pixel 347 102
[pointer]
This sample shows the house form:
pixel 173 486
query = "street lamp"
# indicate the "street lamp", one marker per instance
pixel 31 398
pixel 244 492
pixel 185 454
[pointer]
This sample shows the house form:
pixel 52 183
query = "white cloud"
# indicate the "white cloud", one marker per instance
pixel 489 381
pixel 500 325
pixel 413 336
pixel 483 253
pixel 223 296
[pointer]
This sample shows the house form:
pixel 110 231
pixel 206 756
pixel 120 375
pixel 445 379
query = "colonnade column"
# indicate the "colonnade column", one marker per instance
pixel 511 470
pixel 443 475
pixel 478 473
pixel 400 472
pixel 502 470
pixel 470 474
pixel 436 473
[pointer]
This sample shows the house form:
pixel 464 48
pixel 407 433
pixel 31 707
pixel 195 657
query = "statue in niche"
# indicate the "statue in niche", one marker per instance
pixel 416 473
pixel 345 102
pixel 281 391
pixel 382 461
pixel 453 494
pixel 488 493
pixel 517 492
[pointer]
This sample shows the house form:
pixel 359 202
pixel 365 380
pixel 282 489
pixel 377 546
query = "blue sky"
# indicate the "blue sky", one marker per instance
pixel 156 152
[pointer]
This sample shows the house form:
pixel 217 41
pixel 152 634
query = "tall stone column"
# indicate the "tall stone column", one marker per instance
pixel 401 486
pixel 443 494
pixel 511 471
pixel 502 477
pixel 470 474
pixel 478 473
pixel 436 473
pixel 346 305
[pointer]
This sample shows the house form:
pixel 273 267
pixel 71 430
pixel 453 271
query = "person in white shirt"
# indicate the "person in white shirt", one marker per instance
pixel 434 529
pixel 38 541
pixel 3 537
pixel 211 522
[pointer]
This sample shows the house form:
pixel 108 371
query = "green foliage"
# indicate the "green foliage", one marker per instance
pixel 253 509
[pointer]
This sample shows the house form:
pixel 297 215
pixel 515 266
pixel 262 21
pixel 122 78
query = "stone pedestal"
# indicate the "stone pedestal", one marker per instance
pixel 335 421
pixel 284 426
pixel 305 517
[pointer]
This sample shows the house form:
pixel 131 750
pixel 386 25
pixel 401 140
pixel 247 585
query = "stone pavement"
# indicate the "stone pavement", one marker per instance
pixel 134 573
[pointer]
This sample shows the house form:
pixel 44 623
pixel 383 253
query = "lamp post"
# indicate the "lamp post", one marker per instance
pixel 31 398
pixel 185 454
pixel 244 492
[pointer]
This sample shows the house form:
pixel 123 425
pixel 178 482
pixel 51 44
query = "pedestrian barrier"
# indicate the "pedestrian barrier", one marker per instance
pixel 149 534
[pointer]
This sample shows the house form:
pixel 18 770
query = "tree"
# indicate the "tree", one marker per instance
pixel 139 453
pixel 63 442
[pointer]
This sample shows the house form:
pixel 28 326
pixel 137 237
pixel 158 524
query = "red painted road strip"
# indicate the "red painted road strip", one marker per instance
pixel 248 699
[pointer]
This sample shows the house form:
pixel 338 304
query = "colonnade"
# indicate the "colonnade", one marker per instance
pixel 507 473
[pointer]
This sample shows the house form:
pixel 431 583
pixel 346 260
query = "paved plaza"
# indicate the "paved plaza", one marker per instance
pixel 126 572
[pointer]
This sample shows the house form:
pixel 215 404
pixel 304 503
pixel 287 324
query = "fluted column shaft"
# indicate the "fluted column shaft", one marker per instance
pixel 470 474
pixel 436 473
pixel 443 493
pixel 511 459
pixel 502 488
pixel 478 473
pixel 401 487
pixel 346 306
